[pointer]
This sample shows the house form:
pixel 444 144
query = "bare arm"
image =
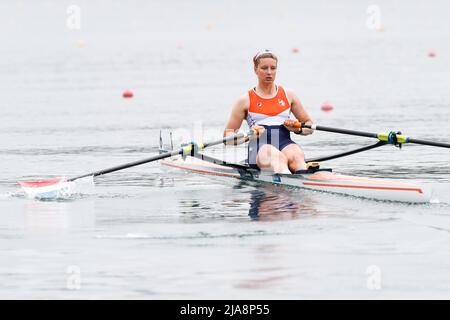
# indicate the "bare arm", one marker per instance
pixel 299 112
pixel 238 113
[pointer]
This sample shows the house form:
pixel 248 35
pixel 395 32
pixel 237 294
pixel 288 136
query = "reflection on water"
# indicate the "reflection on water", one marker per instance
pixel 46 215
pixel 274 203
pixel 56 216
pixel 268 272
pixel 259 202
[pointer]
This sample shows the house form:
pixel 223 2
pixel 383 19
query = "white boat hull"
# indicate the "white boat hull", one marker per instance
pixel 325 181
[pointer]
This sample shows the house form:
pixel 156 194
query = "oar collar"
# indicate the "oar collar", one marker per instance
pixel 394 138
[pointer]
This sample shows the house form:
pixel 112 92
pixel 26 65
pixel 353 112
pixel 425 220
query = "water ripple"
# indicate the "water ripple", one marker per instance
pixel 198 235
pixel 145 151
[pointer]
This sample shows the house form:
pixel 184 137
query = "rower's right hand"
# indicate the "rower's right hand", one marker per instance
pixel 258 130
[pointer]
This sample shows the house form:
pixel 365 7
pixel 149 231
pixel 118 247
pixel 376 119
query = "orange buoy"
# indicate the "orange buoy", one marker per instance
pixel 127 94
pixel 295 50
pixel 431 54
pixel 327 106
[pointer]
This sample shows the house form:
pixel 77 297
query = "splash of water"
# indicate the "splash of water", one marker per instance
pixel 61 190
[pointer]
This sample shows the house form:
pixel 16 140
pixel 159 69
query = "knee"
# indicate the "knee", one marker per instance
pixel 263 157
pixel 297 158
pixel 268 154
pixel 282 157
pixel 300 156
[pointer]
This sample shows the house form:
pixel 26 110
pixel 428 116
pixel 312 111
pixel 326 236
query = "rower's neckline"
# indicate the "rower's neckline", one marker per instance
pixel 276 93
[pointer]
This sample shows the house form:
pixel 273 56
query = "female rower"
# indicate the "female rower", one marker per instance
pixel 267 108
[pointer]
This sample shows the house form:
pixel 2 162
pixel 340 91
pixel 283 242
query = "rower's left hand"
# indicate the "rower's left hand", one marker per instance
pixel 306 131
pixel 258 130
pixel 292 125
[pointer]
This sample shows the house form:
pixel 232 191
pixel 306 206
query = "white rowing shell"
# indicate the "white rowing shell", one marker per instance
pixel 372 188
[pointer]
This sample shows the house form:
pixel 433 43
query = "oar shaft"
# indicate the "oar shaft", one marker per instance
pixel 401 139
pixel 342 131
pixel 185 150
pixel 429 143
pixel 128 165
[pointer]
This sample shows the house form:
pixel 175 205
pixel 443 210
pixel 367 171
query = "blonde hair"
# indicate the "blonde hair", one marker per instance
pixel 263 54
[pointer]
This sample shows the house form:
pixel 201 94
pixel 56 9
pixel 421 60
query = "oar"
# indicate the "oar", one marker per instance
pixel 53 187
pixel 389 138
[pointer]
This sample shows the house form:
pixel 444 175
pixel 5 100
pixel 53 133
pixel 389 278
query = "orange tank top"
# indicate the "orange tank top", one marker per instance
pixel 269 112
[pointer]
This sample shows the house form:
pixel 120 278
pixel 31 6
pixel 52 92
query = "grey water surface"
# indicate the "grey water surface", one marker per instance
pixel 150 232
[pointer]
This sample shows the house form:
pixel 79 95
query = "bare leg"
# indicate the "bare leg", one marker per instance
pixel 270 157
pixel 295 156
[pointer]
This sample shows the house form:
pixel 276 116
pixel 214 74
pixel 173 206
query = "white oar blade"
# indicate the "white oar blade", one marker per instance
pixel 47 189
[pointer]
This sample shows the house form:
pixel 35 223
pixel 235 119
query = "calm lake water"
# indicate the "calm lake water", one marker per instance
pixel 150 232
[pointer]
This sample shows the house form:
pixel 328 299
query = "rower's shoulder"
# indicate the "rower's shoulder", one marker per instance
pixel 244 97
pixel 291 94
pixel 289 91
pixel 243 101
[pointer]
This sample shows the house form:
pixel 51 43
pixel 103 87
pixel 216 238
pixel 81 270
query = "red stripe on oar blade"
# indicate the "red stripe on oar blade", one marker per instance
pixel 40 183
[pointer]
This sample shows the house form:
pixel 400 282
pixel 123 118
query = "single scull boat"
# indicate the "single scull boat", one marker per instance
pixel 320 179
pixel 190 158
pixel 313 179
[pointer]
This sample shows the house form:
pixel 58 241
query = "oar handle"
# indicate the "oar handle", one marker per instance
pixel 186 150
pixel 390 138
